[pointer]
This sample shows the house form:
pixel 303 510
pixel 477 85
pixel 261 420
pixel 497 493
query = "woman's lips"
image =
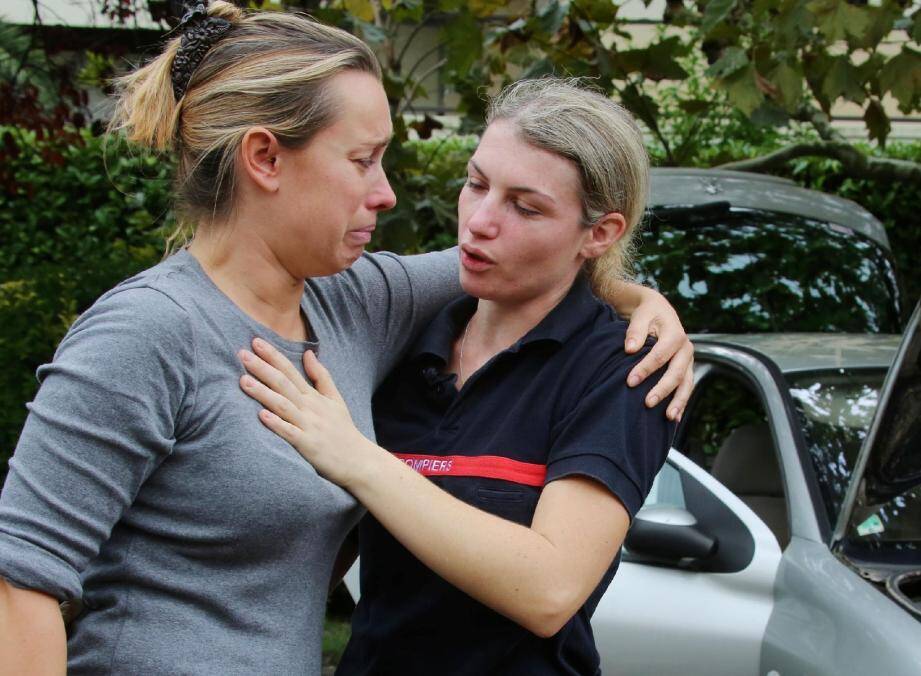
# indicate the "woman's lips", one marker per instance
pixel 472 261
pixel 359 237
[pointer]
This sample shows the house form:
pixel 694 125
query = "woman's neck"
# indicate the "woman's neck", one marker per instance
pixel 495 327
pixel 250 274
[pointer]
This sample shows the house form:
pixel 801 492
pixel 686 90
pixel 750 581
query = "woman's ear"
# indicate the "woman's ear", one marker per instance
pixel 603 234
pixel 259 158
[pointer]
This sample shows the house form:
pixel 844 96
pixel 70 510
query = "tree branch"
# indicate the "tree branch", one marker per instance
pixel 408 98
pixel 854 162
pixel 820 122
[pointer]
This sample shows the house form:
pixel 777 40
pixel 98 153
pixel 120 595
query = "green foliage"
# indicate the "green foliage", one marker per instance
pixel 427 180
pixel 336 633
pixel 897 205
pixel 71 228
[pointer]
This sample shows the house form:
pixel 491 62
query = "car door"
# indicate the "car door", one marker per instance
pixel 853 607
pixel 665 614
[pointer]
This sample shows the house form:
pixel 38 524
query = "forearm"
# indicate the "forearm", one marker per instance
pixel 513 569
pixel 32 638
pixel 624 296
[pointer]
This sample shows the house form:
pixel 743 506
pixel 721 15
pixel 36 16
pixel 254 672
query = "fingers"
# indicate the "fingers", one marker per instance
pixel 277 403
pixel 275 358
pixel 321 377
pixel 682 396
pixel 270 376
pixel 657 358
pixel 679 370
pixel 282 428
pixel 640 326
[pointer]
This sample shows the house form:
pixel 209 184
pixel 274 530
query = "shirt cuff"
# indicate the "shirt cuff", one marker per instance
pixel 602 469
pixel 28 566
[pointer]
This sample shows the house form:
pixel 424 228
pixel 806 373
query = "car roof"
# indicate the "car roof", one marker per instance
pixel 688 187
pixel 799 352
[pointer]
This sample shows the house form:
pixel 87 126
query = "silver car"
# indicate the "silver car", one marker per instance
pixel 783 536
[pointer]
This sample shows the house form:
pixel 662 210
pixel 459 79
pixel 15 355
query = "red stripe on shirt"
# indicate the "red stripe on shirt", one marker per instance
pixel 486 466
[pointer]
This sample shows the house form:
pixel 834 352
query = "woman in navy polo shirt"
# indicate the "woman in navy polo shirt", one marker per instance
pixel 514 406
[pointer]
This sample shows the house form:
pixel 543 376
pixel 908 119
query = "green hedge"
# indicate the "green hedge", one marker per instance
pixel 75 220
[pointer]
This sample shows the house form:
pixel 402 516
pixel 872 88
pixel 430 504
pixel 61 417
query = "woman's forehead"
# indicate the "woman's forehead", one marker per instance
pixel 505 156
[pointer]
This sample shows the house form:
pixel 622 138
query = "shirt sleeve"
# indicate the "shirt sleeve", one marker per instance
pixel 611 436
pixel 104 418
pixel 402 294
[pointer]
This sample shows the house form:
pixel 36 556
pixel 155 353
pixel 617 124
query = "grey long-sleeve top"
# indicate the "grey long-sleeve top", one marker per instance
pixel 144 482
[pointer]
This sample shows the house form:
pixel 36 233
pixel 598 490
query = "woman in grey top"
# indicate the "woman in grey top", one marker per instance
pixel 143 483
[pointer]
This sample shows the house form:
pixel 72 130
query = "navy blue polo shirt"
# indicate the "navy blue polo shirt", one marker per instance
pixel 554 404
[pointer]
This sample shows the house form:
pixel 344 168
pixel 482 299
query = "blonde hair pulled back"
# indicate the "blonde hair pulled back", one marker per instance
pixel 604 142
pixel 269 70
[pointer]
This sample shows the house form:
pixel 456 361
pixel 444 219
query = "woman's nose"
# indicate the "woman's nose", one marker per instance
pixel 382 196
pixel 484 221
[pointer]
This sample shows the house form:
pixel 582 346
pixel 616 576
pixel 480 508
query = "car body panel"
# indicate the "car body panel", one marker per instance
pixel 801 352
pixel 629 623
pixel 678 186
pixel 828 621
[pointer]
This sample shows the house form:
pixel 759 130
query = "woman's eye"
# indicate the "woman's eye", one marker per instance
pixel 524 211
pixel 475 185
pixel 366 162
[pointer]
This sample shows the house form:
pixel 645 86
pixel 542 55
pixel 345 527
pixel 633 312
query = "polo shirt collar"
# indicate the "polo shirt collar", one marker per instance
pixel 561 323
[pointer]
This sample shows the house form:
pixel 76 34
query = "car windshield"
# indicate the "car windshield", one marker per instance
pixel 835 411
pixel 745 270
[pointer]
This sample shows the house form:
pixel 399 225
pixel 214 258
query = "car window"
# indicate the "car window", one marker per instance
pixel 835 409
pixel 727 433
pixel 745 270
pixel 666 489
pixel 722 404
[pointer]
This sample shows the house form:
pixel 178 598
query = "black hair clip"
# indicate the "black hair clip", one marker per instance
pixel 199 33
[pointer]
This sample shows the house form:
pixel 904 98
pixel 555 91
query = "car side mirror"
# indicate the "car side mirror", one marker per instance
pixel 668 535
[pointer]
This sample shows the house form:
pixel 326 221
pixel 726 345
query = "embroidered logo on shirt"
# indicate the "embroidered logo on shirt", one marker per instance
pixel 485 466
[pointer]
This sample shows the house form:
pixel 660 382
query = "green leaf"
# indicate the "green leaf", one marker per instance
pixel 371 33
pixel 694 106
pixel 902 77
pixel 552 15
pixel 656 62
pixel 732 60
pixel 793 24
pixel 641 105
pixel 877 121
pixel 789 83
pixel 362 9
pixel 882 21
pixel 837 19
pixel 463 42
pixel 599 11
pixel 410 11
pixel 484 8
pixel 715 13
pixel 769 115
pixel 843 80
pixel 743 91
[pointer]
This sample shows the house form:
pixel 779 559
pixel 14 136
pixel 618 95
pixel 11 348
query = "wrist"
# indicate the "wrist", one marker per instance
pixel 628 296
pixel 369 461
